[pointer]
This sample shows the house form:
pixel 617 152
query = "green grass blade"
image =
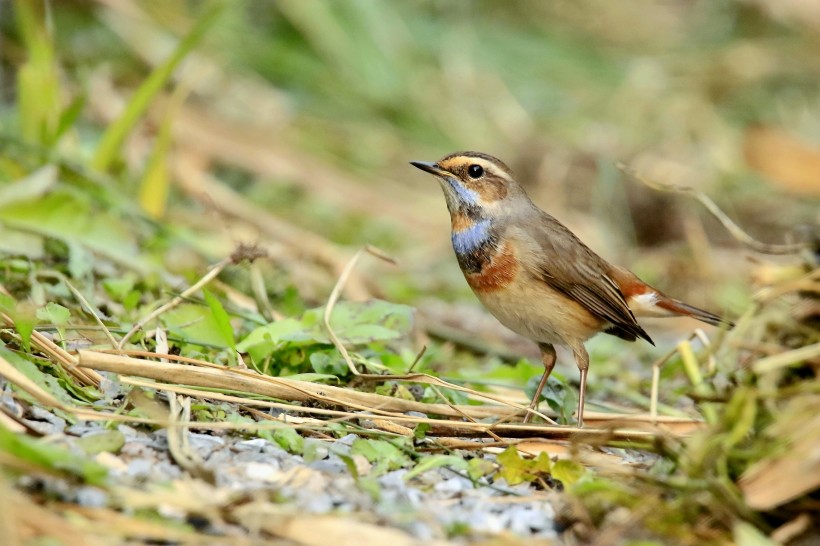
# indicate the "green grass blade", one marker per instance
pixel 117 132
pixel 38 88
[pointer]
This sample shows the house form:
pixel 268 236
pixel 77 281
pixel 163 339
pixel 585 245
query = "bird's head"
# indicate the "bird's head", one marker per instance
pixel 473 181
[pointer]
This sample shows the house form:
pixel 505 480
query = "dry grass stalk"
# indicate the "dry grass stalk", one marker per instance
pixel 411 378
pixel 716 211
pixel 382 406
pixel 59 355
pixel 285 389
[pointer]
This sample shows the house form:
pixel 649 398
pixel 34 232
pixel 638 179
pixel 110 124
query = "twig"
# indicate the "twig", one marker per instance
pixel 59 355
pixel 336 292
pixel 464 415
pixel 428 379
pixel 721 216
pixel 260 294
pixel 410 377
pixel 418 358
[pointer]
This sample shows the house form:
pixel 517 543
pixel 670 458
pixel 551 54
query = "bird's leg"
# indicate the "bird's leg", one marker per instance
pixel 582 360
pixel 548 357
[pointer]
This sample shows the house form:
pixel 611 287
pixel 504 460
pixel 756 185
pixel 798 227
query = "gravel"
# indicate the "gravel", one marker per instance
pixel 430 505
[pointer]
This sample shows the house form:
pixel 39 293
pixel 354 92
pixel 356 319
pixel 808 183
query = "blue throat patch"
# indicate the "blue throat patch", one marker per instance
pixel 466 196
pixel 471 238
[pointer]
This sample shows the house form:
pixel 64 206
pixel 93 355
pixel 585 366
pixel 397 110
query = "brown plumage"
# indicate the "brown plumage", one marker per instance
pixel 533 274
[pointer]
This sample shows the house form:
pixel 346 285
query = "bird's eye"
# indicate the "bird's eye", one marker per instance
pixel 475 171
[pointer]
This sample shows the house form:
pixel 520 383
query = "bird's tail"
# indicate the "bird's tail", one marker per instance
pixel 646 301
pixel 679 308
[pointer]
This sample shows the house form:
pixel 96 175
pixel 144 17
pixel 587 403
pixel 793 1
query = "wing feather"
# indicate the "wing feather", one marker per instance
pixel 568 265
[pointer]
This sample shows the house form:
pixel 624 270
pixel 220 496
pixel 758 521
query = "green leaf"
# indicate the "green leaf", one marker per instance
pixel 436 461
pixel 18 243
pixel 131 300
pixel 357 323
pixel 110 441
pixel 515 469
pixel 350 464
pixel 69 116
pixel 38 81
pixel 7 303
pixel 568 472
pixel 290 440
pixel 560 397
pixel 118 288
pixel 263 341
pixel 420 431
pixel 353 323
pixel 51 457
pixel 54 313
pixel 381 453
pixel 521 373
pixel 47 382
pixel 195 324
pixel 71 218
pixel 155 185
pixel 313 450
pixel 80 260
pixel 221 318
pixel 326 364
pixel 23 316
pixel 371 486
pixel 541 464
pixel 478 468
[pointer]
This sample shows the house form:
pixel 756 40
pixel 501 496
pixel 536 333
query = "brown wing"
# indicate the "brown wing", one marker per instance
pixel 568 265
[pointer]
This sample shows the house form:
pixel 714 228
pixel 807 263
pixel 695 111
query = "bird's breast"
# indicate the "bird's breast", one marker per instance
pixel 499 269
pixel 500 277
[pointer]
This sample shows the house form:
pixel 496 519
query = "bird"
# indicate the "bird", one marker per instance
pixel 536 276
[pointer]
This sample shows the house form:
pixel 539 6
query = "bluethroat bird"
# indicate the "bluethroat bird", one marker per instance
pixel 534 275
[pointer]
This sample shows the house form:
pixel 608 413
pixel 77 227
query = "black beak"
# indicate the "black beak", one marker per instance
pixel 431 168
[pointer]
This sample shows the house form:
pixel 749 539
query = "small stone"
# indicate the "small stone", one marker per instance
pixel 140 467
pixel 36 413
pixel 205 444
pixel 92 497
pixel 253 444
pixel 262 472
